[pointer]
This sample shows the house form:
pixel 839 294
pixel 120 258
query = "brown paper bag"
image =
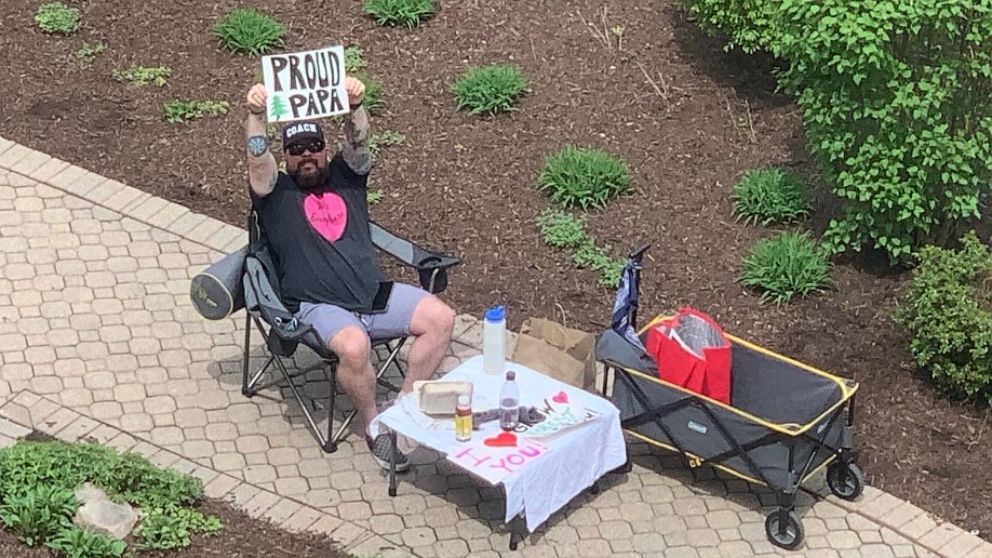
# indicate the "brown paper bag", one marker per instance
pixel 557 351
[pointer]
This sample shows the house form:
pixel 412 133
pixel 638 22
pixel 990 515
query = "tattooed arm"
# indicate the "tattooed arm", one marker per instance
pixel 262 169
pixel 356 130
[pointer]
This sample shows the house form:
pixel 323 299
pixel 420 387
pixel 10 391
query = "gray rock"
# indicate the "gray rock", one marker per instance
pixel 106 517
pixel 89 492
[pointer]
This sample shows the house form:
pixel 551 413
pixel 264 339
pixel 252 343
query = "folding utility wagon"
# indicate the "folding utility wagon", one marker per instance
pixel 786 420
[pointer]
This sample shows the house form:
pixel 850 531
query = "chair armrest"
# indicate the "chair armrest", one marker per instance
pixel 431 266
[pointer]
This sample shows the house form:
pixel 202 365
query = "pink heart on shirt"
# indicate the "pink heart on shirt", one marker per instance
pixel 327 214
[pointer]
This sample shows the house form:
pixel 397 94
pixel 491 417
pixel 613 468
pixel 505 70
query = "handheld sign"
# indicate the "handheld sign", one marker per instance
pixel 305 85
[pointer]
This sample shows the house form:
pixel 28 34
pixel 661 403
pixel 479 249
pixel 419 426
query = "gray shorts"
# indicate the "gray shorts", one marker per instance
pixel 328 319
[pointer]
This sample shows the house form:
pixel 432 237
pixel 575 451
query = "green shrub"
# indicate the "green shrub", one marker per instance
pixel 769 196
pixel 173 527
pixel 562 230
pixel 249 31
pixel 408 13
pixel 56 17
pixel 579 177
pixel 948 313
pixel 74 542
pixel 35 513
pixel 895 96
pixel 489 89
pixel 88 52
pixel 785 266
pixel 385 138
pixel 373 197
pixel 745 24
pixel 183 111
pixel 62 467
pixel 144 75
pixel 354 60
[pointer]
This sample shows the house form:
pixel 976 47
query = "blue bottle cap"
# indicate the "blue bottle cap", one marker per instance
pixel 495 314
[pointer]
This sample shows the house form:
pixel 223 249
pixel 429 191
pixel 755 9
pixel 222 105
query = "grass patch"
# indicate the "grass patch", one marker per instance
pixel 37 484
pixel 385 138
pixel 489 89
pixel 406 13
pixel 768 196
pixel 144 75
pixel 354 60
pixel 248 31
pixel 88 52
pixel 580 177
pixel 177 111
pixel 564 231
pixel 373 100
pixel 785 266
pixel 56 17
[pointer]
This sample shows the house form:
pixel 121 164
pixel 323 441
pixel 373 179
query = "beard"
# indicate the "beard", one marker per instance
pixel 308 174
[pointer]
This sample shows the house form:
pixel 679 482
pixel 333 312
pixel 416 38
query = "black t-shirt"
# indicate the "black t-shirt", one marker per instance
pixel 320 240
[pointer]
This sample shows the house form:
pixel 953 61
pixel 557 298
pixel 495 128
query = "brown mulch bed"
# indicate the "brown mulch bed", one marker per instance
pixel 242 537
pixel 466 184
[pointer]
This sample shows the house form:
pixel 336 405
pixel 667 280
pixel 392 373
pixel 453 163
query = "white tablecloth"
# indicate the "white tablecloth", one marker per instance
pixel 578 458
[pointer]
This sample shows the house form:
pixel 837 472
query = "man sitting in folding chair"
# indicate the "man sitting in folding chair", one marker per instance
pixel 315 218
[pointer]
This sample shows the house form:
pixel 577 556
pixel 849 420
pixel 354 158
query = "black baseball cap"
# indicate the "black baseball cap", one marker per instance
pixel 301 132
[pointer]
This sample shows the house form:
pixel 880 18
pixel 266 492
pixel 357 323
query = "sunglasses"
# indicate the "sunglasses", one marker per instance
pixel 315 146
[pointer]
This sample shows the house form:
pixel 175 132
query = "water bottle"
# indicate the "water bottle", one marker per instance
pixel 509 403
pixel 494 341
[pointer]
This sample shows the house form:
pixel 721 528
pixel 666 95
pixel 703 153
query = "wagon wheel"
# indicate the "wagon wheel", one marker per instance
pixel 846 480
pixel 788 535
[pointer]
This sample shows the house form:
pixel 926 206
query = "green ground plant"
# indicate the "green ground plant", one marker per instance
pixel 36 513
pixel 385 138
pixel 249 31
pixel 373 197
pixel 178 112
pixel 584 178
pixel 374 100
pixel 37 480
pixel 565 231
pixel 56 17
pixel 903 122
pixel 947 311
pixel 407 13
pixel 788 265
pixel 354 60
pixel 88 52
pixel 768 196
pixel 144 75
pixel 74 542
pixel 489 89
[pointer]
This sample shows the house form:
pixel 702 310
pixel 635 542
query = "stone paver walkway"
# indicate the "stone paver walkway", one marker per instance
pixel 95 317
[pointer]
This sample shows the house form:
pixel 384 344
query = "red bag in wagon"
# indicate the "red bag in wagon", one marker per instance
pixel 691 351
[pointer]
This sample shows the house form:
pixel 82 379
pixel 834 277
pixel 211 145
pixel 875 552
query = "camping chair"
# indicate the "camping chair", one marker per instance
pixel 283 333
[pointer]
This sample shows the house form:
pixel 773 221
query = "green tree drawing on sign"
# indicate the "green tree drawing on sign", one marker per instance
pixel 278 107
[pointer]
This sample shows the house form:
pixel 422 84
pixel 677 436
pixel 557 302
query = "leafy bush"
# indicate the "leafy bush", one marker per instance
pixel 88 52
pixel 896 100
pixel 36 513
pixel 143 75
pixel 769 196
pixel 746 24
pixel 354 60
pixel 582 177
pixel 562 230
pixel 249 31
pixel 62 467
pixel 785 266
pixel 74 542
pixel 56 17
pixel 373 197
pixel 385 138
pixel 948 313
pixel 183 111
pixel 408 13
pixel 489 89
pixel 172 527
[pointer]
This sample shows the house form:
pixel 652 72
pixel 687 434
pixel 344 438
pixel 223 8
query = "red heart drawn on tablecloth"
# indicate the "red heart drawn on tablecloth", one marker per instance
pixel 505 439
pixel 560 397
